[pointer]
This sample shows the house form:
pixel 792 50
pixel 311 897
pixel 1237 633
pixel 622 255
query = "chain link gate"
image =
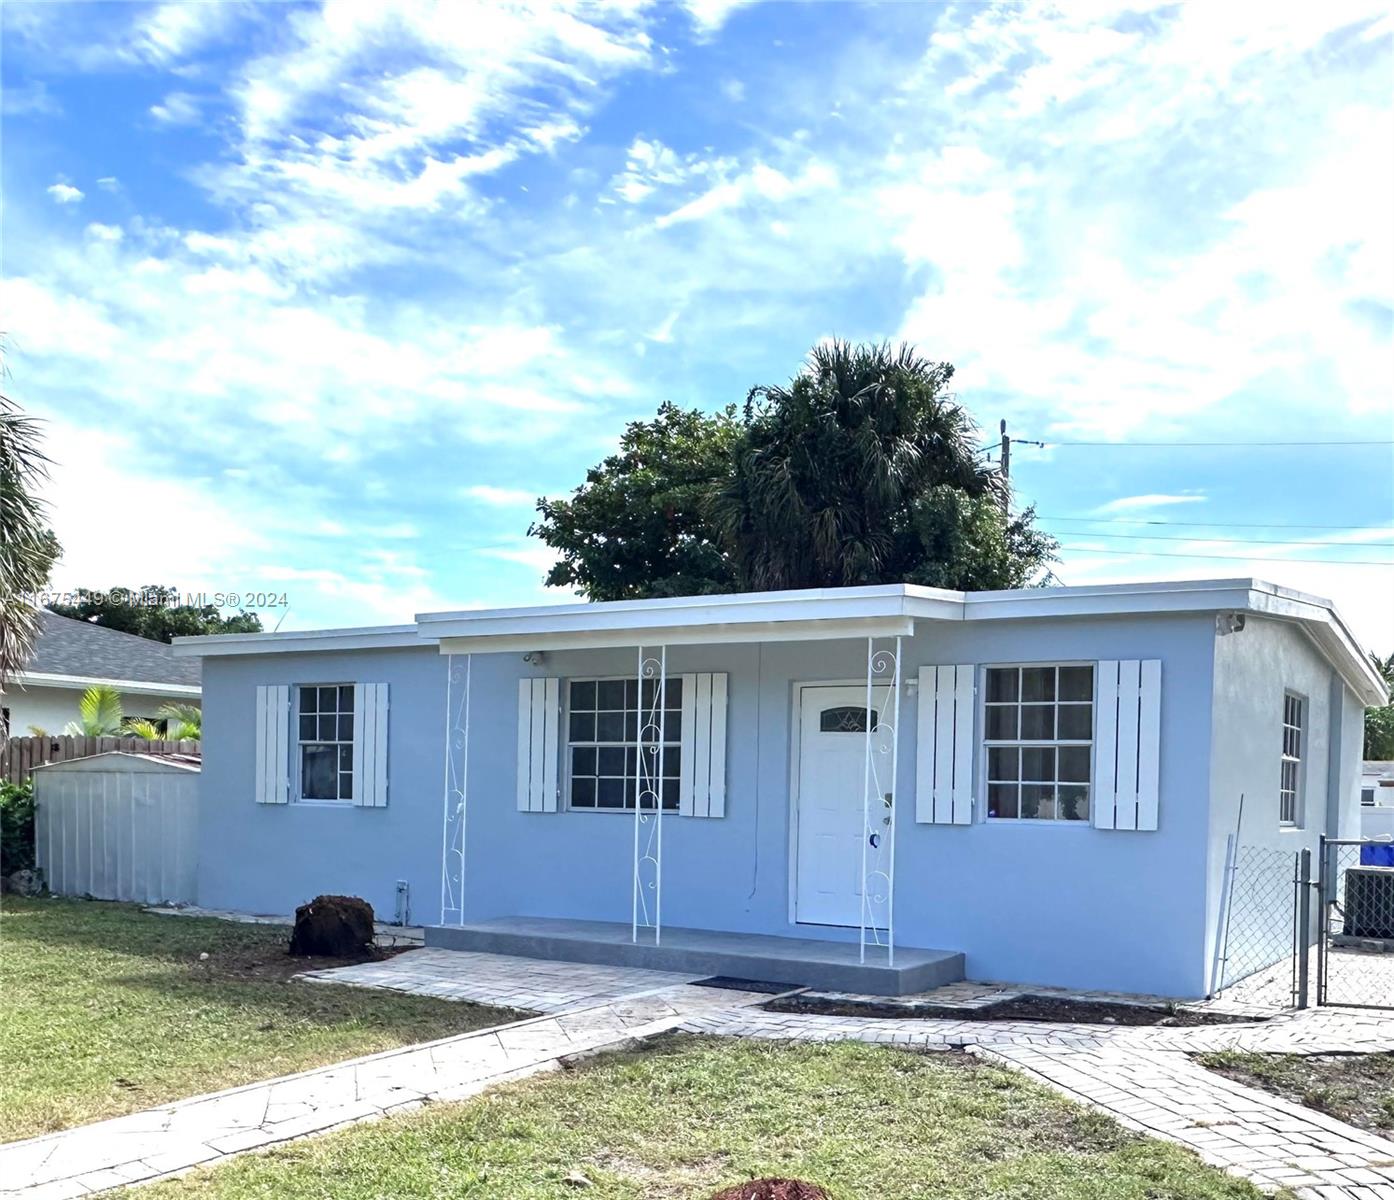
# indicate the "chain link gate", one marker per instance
pixel 1355 966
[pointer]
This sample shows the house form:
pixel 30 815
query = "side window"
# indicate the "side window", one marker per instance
pixel 324 722
pixel 1290 777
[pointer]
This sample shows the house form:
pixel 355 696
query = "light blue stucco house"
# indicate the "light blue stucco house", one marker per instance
pixel 880 787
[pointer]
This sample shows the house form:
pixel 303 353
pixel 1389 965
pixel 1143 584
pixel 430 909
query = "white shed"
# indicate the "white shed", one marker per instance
pixel 119 826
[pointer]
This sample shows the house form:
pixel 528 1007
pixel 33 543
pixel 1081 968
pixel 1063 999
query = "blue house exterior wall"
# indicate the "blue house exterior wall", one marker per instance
pixel 1062 904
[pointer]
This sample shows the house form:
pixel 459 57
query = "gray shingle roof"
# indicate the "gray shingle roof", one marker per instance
pixel 69 647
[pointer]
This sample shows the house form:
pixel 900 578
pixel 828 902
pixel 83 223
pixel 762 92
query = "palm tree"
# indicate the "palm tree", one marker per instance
pixel 182 722
pixel 26 545
pixel 829 486
pixel 99 713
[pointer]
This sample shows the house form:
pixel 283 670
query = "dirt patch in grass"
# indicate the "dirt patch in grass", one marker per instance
pixel 108 1010
pixel 1022 1008
pixel 1355 1088
pixel 684 1117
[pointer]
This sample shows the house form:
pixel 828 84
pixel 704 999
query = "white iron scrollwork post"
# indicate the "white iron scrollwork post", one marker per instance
pixel 878 797
pixel 453 802
pixel 651 734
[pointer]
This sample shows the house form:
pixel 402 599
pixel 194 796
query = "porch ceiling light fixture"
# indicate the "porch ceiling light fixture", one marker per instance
pixel 534 658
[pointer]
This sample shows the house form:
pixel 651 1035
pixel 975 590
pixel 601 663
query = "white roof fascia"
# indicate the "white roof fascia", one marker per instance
pixel 136 687
pixel 378 637
pixel 684 635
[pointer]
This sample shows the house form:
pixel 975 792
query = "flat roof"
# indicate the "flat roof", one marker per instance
pixel 883 610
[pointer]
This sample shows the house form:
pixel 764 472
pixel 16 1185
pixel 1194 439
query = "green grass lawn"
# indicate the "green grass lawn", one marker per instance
pixel 1356 1088
pixel 105 1010
pixel 686 1115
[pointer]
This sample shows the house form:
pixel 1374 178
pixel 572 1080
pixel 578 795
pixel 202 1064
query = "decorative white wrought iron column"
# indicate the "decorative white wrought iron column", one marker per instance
pixel 454 812
pixel 878 797
pixel 651 734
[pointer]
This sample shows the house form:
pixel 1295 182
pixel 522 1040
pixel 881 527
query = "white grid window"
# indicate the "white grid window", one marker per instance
pixel 605 718
pixel 1290 780
pixel 1038 728
pixel 325 719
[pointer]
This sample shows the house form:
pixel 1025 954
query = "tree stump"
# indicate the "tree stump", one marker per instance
pixel 332 927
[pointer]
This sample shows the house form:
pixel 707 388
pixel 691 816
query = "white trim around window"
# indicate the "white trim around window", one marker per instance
pixel 1291 770
pixel 324 726
pixel 1038 742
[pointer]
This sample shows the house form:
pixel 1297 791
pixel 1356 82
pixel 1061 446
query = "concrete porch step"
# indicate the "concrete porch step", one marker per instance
pixel 797 962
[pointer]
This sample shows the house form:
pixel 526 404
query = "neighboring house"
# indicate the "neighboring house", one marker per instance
pixel 70 656
pixel 1040 784
pixel 1377 801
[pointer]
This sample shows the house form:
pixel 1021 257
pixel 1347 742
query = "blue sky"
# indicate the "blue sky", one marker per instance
pixel 317 299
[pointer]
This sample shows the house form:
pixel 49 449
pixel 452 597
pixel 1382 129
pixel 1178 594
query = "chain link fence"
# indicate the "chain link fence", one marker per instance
pixel 1357 959
pixel 1258 950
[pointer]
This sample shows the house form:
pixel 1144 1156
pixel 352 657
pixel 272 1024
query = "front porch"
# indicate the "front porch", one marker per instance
pixel 766 958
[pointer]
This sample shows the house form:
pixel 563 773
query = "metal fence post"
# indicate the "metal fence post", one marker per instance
pixel 1304 925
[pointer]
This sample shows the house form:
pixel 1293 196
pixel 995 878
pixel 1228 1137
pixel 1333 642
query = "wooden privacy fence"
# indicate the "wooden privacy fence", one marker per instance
pixel 20 755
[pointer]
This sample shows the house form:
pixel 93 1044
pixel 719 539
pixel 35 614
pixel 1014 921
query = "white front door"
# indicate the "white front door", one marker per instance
pixel 832 772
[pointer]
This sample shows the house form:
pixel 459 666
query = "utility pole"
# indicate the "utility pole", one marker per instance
pixel 1006 471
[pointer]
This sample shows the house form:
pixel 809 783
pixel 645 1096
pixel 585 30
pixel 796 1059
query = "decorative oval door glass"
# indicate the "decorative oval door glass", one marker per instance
pixel 846 719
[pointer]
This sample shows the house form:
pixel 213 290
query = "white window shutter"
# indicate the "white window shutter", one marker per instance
pixel 273 744
pixel 702 771
pixel 1127 743
pixel 370 745
pixel 539 716
pixel 945 748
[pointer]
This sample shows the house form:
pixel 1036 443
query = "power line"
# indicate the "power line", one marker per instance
pixel 1201 524
pixel 1335 562
pixel 1200 537
pixel 1189 445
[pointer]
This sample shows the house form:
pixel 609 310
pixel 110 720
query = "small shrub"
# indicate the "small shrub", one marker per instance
pixel 16 826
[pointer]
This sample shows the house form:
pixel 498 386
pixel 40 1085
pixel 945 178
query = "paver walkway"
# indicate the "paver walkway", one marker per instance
pixel 1141 1075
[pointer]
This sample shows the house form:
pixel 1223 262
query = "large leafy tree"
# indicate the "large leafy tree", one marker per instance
pixel 1379 722
pixel 638 526
pixel 27 545
pixel 861 470
pixel 156 613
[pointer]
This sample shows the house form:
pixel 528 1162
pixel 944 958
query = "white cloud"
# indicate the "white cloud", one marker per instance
pixel 1151 500
pixel 64 193
pixel 178 108
pixel 103 233
pixel 710 15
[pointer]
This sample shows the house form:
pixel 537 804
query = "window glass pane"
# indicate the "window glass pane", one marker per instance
pixel 609 793
pixel 1037 722
pixel 328 699
pixel 1076 722
pixel 328 729
pixel 345 785
pixel 346 698
pixel 609 693
pixel 1001 684
pixel 346 728
pixel 307 728
pixel 582 727
pixel 1076 683
pixel 844 719
pixel 1074 802
pixel 672 762
pixel 583 760
pixel 309 699
pixel 610 760
pixel 583 793
pixel 673 697
pixel 631 725
pixel 670 795
pixel 609 727
pixel 1002 800
pixel 1038 683
pixel 1074 764
pixel 318 772
pixel 1003 762
pixel 1001 723
pixel 583 695
pixel 1037 801
pixel 631 694
pixel 345 758
pixel 1038 764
